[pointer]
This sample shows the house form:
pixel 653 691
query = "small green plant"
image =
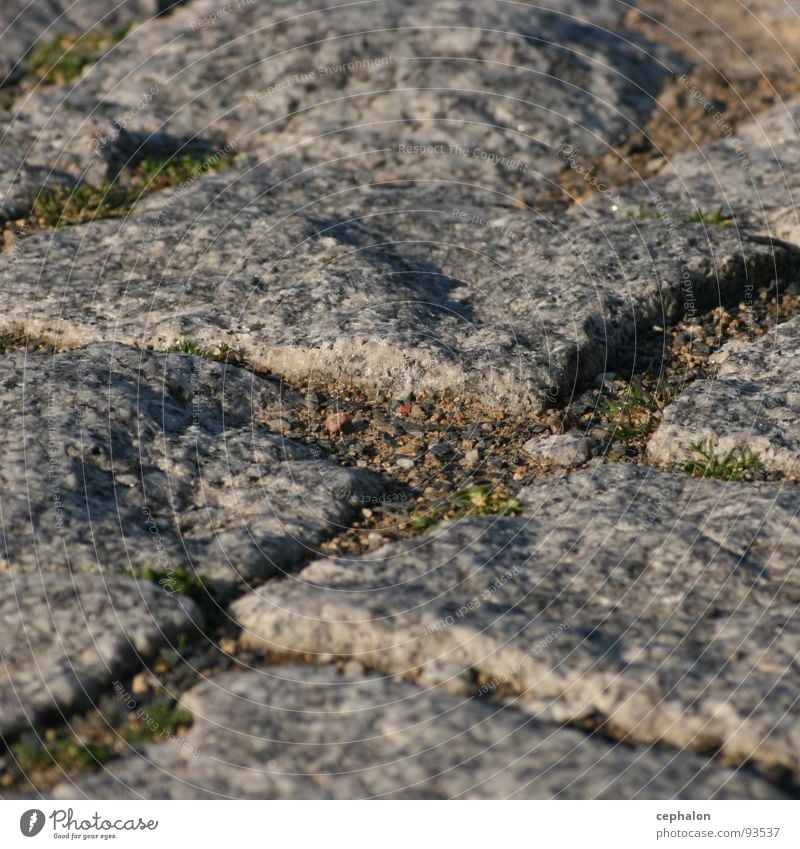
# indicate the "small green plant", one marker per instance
pixel 187 346
pixel 66 205
pixel 67 754
pixel 717 218
pixel 193 584
pixel 479 500
pixel 157 722
pixel 635 415
pixel 63 206
pixel 160 174
pixel 738 464
pixel 62 59
pixel 484 501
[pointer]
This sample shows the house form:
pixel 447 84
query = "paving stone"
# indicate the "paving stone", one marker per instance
pixel 752 406
pixel 323 273
pixel 66 636
pixel 661 606
pixel 23 23
pixel 268 79
pixel 748 177
pixel 116 459
pixel 294 732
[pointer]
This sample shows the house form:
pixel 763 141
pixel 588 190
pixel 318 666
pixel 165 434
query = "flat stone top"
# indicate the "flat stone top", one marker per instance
pixel 664 604
pixel 298 732
pixel 64 636
pixel 119 460
pixel 751 406
pixel 24 23
pixel 394 286
pixel 490 91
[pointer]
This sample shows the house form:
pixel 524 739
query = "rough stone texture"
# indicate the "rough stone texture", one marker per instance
pixel 324 273
pixel 664 606
pixel 23 23
pixel 117 459
pixel 567 450
pixel 63 637
pixel 752 404
pixel 271 79
pixel 751 176
pixel 295 732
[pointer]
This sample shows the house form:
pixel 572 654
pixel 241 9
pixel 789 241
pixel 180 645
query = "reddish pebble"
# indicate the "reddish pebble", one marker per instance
pixel 404 409
pixel 338 422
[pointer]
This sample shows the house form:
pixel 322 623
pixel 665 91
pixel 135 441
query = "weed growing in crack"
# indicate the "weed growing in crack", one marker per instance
pixel 635 416
pixel 161 174
pixel 738 464
pixel 187 346
pixel 479 500
pixel 64 206
pixel 62 59
pixel 158 722
pixel 66 754
pixel 190 583
pixel 716 218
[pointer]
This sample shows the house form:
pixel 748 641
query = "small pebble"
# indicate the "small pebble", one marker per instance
pixel 440 449
pixel 338 423
pixel 473 457
pixel 140 683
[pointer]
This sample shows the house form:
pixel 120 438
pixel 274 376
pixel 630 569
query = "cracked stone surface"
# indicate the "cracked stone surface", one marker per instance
pixel 750 175
pixel 116 459
pixel 66 636
pixel 275 80
pixel 752 404
pixel 662 604
pixel 299 732
pixel 325 274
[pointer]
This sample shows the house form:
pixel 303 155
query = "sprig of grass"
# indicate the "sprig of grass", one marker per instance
pixel 160 721
pixel 67 754
pixel 479 500
pixel 63 206
pixel 192 584
pixel 717 218
pixel 188 346
pixel 63 59
pixel 738 464
pixel 635 415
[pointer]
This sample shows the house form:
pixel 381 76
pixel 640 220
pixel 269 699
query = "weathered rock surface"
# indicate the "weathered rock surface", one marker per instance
pixel 661 604
pixel 749 175
pixel 266 78
pixel 324 273
pixel 23 23
pixel 297 732
pixel 63 637
pixel 116 459
pixel 751 405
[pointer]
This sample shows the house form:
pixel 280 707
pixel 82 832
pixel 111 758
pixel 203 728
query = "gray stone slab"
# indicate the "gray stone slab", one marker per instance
pixel 294 732
pixel 116 459
pixel 660 605
pixel 66 636
pixel 749 174
pixel 751 405
pixel 24 23
pixel 323 272
pixel 490 90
